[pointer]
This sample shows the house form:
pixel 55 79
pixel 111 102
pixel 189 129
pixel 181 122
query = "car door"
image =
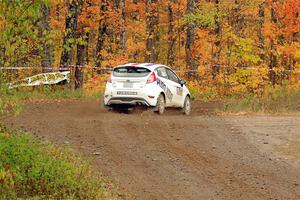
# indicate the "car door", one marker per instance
pixel 176 88
pixel 164 82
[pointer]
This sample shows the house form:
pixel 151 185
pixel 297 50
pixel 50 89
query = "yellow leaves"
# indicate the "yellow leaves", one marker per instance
pixel 248 80
pixel 270 31
pixel 297 54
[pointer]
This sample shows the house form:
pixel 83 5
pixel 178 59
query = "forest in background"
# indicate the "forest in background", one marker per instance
pixel 244 52
pixel 222 46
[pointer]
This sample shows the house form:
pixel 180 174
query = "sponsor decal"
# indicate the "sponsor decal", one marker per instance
pixel 179 91
pixel 165 88
pixel 126 93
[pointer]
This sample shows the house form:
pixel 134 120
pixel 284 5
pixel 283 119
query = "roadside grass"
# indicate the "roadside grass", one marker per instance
pixel 54 92
pixel 12 100
pixel 92 89
pixel 32 169
pixel 277 100
pixel 9 101
pixel 281 99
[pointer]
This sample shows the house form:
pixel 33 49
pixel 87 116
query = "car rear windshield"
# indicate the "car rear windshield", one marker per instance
pixel 131 72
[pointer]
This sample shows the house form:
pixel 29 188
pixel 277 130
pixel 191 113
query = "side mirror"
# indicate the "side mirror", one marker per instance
pixel 182 82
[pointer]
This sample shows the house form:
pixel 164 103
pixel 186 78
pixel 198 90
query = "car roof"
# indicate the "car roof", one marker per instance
pixel 150 66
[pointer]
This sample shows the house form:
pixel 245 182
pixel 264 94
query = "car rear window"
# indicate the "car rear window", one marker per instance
pixel 131 72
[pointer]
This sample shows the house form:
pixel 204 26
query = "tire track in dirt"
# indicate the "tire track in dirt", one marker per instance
pixel 165 157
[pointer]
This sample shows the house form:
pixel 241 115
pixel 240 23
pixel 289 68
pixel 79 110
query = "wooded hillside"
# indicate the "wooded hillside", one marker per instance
pixel 244 42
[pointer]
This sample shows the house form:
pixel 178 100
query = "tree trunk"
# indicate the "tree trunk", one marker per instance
pixel 102 32
pixel 171 34
pixel 82 59
pixel 71 29
pixel 190 40
pixel 217 44
pixel 47 49
pixel 123 29
pixel 135 17
pixel 238 19
pixel 2 56
pixel 273 57
pixel 261 37
pixel 152 42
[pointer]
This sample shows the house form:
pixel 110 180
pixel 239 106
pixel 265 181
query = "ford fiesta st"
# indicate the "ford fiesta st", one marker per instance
pixel 152 85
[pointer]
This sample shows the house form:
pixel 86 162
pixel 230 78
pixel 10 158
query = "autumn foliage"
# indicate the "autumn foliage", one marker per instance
pixel 222 45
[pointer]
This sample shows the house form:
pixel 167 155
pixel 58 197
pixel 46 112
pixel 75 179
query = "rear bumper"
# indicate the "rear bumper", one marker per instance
pixel 128 101
pixel 146 96
pixel 142 98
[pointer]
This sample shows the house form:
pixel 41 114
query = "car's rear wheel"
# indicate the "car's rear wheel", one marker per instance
pixel 160 106
pixel 103 106
pixel 187 106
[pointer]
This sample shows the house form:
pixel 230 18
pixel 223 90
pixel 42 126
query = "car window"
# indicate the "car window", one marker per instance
pixel 162 72
pixel 172 76
pixel 131 72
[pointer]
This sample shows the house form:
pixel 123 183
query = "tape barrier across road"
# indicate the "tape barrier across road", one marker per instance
pixel 110 69
pixel 51 78
pixel 55 69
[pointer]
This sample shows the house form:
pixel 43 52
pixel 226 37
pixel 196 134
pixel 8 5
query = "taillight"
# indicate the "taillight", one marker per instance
pixel 152 78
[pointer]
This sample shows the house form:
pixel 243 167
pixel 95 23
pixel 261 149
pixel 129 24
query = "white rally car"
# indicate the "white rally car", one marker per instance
pixel 152 85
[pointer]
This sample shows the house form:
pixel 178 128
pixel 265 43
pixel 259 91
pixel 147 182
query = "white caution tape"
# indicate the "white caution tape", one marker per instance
pixel 56 69
pixel 51 78
pixel 110 69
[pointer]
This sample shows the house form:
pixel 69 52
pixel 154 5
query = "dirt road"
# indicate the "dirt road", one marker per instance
pixel 202 156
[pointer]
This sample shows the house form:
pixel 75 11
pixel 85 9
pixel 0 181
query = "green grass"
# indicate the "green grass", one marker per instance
pixel 279 99
pixel 31 169
pixel 9 101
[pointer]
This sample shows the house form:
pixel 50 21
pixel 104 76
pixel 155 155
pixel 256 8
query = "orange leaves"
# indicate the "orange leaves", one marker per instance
pixel 2 22
pixel 7 167
pixel 289 15
pixel 271 31
pixel 58 16
pixel 135 8
pixel 287 50
pixel 90 15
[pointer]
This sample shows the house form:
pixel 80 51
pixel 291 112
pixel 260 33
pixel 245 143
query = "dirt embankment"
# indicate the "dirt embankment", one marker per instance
pixel 202 156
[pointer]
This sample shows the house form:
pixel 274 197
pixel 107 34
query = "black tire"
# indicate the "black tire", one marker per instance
pixel 103 106
pixel 187 107
pixel 161 105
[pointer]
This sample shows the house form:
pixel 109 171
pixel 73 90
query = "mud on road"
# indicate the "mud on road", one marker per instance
pixel 202 156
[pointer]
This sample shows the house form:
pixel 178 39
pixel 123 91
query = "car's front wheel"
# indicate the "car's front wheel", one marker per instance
pixel 160 106
pixel 187 106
